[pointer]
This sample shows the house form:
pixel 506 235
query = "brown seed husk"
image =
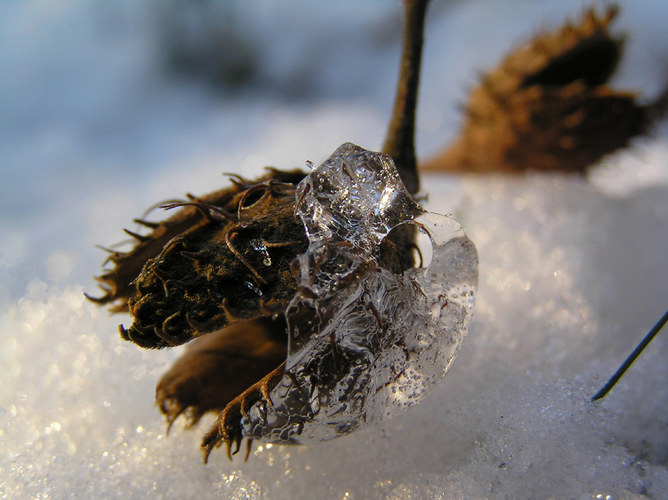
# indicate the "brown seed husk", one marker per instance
pixel 218 367
pixel 546 106
pixel 221 259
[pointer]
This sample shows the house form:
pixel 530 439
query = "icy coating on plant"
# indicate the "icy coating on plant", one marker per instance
pixel 364 341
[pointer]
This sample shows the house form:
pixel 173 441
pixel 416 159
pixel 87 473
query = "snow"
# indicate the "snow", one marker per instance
pixel 573 271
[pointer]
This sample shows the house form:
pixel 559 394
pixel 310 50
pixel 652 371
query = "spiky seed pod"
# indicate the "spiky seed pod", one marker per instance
pixel 220 259
pixel 546 105
pixel 224 269
pixel 223 265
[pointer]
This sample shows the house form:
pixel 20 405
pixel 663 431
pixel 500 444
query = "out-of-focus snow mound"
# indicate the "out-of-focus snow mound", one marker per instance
pixel 573 273
pixel 233 43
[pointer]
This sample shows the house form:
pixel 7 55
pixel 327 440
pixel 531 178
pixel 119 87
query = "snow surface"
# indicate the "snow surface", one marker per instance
pixel 573 271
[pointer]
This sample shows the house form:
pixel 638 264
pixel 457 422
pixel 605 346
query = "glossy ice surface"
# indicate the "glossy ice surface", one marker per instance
pixel 365 341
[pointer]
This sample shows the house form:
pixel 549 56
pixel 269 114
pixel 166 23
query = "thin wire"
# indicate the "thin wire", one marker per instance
pixel 636 352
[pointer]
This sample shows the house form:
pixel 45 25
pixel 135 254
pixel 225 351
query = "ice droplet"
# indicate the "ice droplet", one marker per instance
pixel 259 246
pixel 364 341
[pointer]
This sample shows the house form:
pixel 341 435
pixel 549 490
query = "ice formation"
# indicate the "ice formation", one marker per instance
pixel 363 340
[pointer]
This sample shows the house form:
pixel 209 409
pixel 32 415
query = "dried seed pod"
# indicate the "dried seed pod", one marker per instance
pixel 318 320
pixel 546 105
pixel 310 285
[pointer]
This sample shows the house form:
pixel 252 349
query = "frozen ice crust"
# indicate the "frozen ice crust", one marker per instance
pixel 364 341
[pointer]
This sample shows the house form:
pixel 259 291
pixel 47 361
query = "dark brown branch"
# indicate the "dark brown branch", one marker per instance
pixel 400 140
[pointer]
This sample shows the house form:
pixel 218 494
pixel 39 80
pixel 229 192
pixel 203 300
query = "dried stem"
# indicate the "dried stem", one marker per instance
pixel 632 357
pixel 400 140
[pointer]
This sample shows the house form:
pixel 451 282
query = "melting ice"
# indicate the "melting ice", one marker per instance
pixel 363 340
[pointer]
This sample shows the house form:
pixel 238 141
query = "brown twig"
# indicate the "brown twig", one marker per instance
pixel 400 139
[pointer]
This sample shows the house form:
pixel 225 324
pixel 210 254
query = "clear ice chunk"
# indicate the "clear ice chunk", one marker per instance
pixel 364 342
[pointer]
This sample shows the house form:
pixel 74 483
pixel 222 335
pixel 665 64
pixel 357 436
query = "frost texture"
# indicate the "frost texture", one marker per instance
pixel 364 341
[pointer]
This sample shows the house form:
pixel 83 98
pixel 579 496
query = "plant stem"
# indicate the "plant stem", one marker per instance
pixel 632 357
pixel 400 140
